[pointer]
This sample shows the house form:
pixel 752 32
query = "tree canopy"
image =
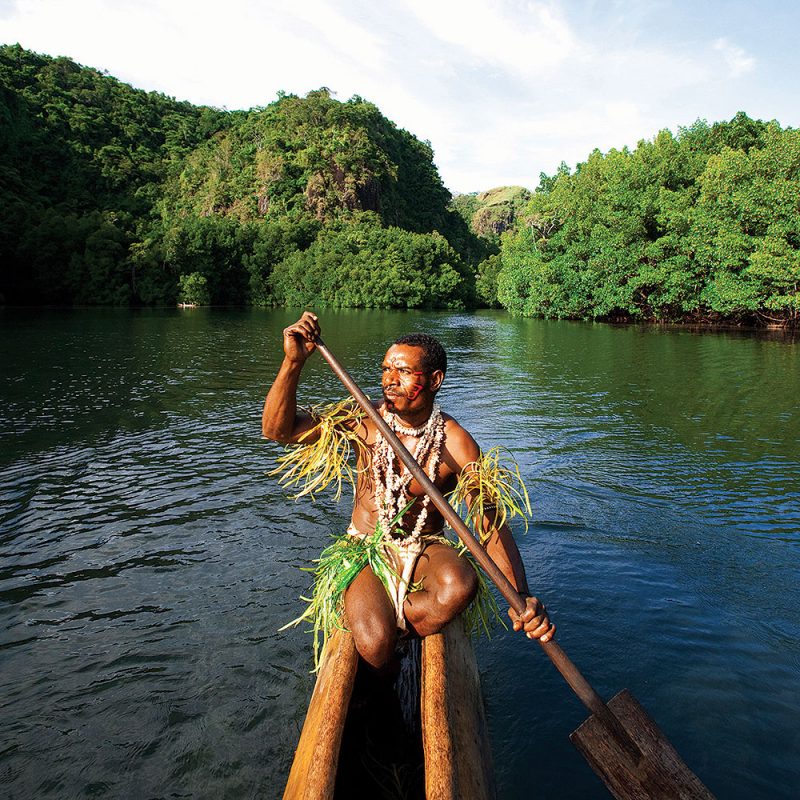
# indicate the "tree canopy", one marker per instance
pixel 113 195
pixel 700 226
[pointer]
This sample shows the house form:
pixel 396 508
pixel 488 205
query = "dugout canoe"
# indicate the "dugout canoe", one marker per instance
pixel 454 757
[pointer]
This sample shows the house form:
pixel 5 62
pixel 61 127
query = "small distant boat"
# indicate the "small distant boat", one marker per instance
pixel 340 754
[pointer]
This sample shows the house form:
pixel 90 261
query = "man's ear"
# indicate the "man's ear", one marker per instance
pixel 437 379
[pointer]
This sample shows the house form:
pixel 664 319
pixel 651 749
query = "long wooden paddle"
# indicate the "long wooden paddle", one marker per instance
pixel 620 741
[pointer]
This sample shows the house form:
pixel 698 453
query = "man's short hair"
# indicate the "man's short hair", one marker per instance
pixel 433 354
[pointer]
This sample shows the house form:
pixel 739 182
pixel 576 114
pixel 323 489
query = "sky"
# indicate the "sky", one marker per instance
pixel 502 89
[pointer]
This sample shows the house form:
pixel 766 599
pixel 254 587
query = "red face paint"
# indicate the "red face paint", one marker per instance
pixel 416 388
pixel 401 380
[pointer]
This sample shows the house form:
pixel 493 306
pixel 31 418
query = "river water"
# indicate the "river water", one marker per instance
pixel 147 560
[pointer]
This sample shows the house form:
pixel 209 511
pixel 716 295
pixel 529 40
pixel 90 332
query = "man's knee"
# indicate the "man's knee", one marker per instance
pixel 457 585
pixel 374 639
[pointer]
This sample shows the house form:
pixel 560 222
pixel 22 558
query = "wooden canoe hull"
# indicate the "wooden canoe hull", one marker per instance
pixel 454 731
pixel 313 773
pixel 455 737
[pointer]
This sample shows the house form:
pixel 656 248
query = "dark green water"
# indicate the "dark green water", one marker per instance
pixel 147 561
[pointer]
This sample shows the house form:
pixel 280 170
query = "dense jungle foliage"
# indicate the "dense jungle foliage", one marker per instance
pixel 489 215
pixel 703 226
pixel 112 195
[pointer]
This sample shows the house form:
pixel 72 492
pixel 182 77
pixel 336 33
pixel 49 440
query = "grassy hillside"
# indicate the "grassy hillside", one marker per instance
pixel 491 213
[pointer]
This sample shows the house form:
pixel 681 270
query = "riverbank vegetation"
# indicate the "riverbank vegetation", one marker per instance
pixel 112 195
pixel 703 226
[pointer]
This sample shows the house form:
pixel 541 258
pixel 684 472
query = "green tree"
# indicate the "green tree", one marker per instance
pixel 486 280
pixel 745 232
pixel 364 265
pixel 80 150
pixel 193 289
pixel 699 226
pixel 215 247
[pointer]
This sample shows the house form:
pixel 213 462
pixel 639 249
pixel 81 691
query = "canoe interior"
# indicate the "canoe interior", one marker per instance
pixel 357 742
pixel 381 753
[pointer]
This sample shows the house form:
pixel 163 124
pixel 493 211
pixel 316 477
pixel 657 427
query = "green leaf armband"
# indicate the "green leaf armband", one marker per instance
pixel 488 487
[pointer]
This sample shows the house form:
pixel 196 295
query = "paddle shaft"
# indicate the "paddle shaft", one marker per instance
pixel 582 688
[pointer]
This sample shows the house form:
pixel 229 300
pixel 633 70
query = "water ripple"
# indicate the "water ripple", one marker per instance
pixel 147 560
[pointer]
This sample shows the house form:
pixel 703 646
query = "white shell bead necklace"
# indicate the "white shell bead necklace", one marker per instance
pixel 390 483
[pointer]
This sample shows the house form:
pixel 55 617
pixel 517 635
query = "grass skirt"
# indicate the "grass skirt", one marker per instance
pixel 340 563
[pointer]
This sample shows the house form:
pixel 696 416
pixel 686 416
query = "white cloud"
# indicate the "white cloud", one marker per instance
pixel 738 61
pixel 503 89
pixel 540 141
pixel 523 37
pixel 345 40
pixel 8 8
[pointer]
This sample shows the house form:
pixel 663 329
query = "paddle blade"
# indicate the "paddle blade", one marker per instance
pixel 659 773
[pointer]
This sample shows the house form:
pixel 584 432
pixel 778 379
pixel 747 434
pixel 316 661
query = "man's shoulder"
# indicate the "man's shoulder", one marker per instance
pixel 453 427
pixel 459 440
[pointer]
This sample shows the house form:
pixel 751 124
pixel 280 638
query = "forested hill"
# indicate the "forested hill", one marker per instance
pixel 83 159
pixel 110 195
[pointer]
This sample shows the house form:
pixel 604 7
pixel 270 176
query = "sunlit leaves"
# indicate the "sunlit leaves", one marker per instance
pixel 702 226
pixel 364 265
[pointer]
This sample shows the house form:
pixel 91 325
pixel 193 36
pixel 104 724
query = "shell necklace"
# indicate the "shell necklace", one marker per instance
pixel 391 484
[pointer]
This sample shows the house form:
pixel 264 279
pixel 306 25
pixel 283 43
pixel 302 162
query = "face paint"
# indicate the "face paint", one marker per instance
pixel 401 379
pixel 416 388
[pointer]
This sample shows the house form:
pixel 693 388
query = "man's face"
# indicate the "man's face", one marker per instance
pixel 406 384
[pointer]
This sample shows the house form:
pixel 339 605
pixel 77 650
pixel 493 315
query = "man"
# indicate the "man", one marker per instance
pixel 429 582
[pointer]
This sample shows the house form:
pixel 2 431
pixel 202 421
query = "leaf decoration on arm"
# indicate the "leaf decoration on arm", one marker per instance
pixel 488 485
pixel 313 466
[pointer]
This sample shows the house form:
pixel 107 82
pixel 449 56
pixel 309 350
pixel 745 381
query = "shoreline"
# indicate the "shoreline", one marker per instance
pixel 790 328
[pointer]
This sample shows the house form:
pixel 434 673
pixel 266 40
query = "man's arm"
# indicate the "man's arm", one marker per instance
pixel 534 620
pixel 281 419
pixel 501 547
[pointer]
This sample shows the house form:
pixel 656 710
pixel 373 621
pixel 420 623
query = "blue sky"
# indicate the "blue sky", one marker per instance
pixel 503 89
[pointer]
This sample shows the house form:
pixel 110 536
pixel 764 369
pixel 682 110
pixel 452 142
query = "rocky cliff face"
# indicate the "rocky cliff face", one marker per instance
pixel 491 213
